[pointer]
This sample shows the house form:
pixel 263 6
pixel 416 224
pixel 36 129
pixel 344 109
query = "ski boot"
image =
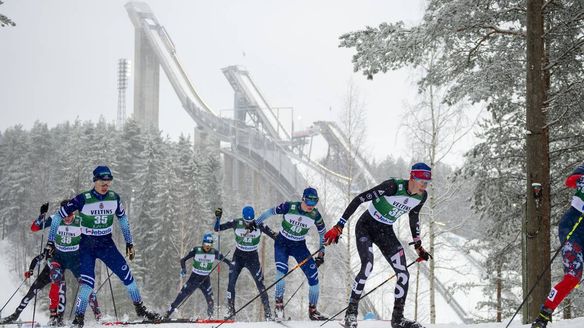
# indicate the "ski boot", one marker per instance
pixel 168 313
pixel 55 319
pixel 351 316
pixel 404 323
pixel 143 312
pixel 268 314
pixel 9 319
pixel 78 321
pixel 545 316
pixel 230 312
pixel 279 310
pixel 314 315
pixel 97 314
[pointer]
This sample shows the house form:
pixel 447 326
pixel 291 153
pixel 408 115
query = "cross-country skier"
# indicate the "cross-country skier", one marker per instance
pixel 389 201
pixel 203 258
pixel 298 218
pixel 65 257
pixel 571 234
pixel 97 209
pixel 247 239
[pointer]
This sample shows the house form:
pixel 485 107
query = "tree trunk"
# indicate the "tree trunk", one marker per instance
pixel 536 226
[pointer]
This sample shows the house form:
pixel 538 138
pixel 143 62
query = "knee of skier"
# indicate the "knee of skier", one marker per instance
pixel 127 277
pixel 281 268
pixel 56 273
pixel 366 268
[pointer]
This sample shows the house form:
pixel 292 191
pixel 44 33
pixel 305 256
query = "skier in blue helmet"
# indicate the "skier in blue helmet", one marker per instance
pixel 388 202
pixel 98 209
pixel 298 218
pixel 247 239
pixel 203 258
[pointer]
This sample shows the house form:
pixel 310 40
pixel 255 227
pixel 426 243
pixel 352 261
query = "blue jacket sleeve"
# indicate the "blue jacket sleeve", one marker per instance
pixel 56 222
pixel 125 226
pixel 75 204
pixel 280 209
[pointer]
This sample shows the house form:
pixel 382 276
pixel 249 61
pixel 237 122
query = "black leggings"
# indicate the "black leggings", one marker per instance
pixel 368 231
pixel 196 282
pixel 40 282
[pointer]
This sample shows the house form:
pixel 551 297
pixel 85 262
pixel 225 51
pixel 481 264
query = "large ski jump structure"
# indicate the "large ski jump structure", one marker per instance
pixel 257 138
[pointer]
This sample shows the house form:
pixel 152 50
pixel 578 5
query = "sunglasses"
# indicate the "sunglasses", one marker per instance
pixel 310 201
pixel 423 182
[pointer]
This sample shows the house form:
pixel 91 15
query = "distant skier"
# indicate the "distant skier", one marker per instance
pixel 571 235
pixel 65 257
pixel 389 201
pixel 203 258
pixel 247 239
pixel 97 209
pixel 298 218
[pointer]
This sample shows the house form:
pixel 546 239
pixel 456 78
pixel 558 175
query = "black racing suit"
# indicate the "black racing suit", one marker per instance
pixel 369 231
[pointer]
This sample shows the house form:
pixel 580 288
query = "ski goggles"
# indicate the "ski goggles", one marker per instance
pixel 310 200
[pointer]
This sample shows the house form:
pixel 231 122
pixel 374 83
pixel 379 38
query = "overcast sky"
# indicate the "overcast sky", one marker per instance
pixel 59 62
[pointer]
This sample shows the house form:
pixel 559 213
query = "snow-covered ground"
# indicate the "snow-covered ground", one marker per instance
pixel 10 282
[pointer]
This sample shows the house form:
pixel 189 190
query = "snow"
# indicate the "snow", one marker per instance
pixel 10 281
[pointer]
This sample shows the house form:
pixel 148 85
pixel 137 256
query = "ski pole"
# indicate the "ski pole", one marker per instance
pixel 219 275
pixel 22 283
pixel 270 286
pixel 369 292
pixel 39 269
pixel 75 298
pixel 296 291
pixel 199 285
pixel 112 292
pixel 103 282
pixel 545 269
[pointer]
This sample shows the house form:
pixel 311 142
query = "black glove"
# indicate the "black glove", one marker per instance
pixel 130 251
pixel 218 212
pixel 49 249
pixel 319 259
pixel 44 208
pixel 251 226
pixel 422 254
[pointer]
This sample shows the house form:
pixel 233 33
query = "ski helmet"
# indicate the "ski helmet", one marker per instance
pixel 208 238
pixel 310 196
pixel 102 172
pixel 248 213
pixel 421 171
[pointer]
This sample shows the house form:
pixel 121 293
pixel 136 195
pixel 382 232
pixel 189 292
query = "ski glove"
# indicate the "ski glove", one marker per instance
pixel 251 227
pixel 130 253
pixel 218 212
pixel 44 208
pixel 28 274
pixel 183 272
pixel 319 259
pixel 332 236
pixel 422 254
pixel 49 249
